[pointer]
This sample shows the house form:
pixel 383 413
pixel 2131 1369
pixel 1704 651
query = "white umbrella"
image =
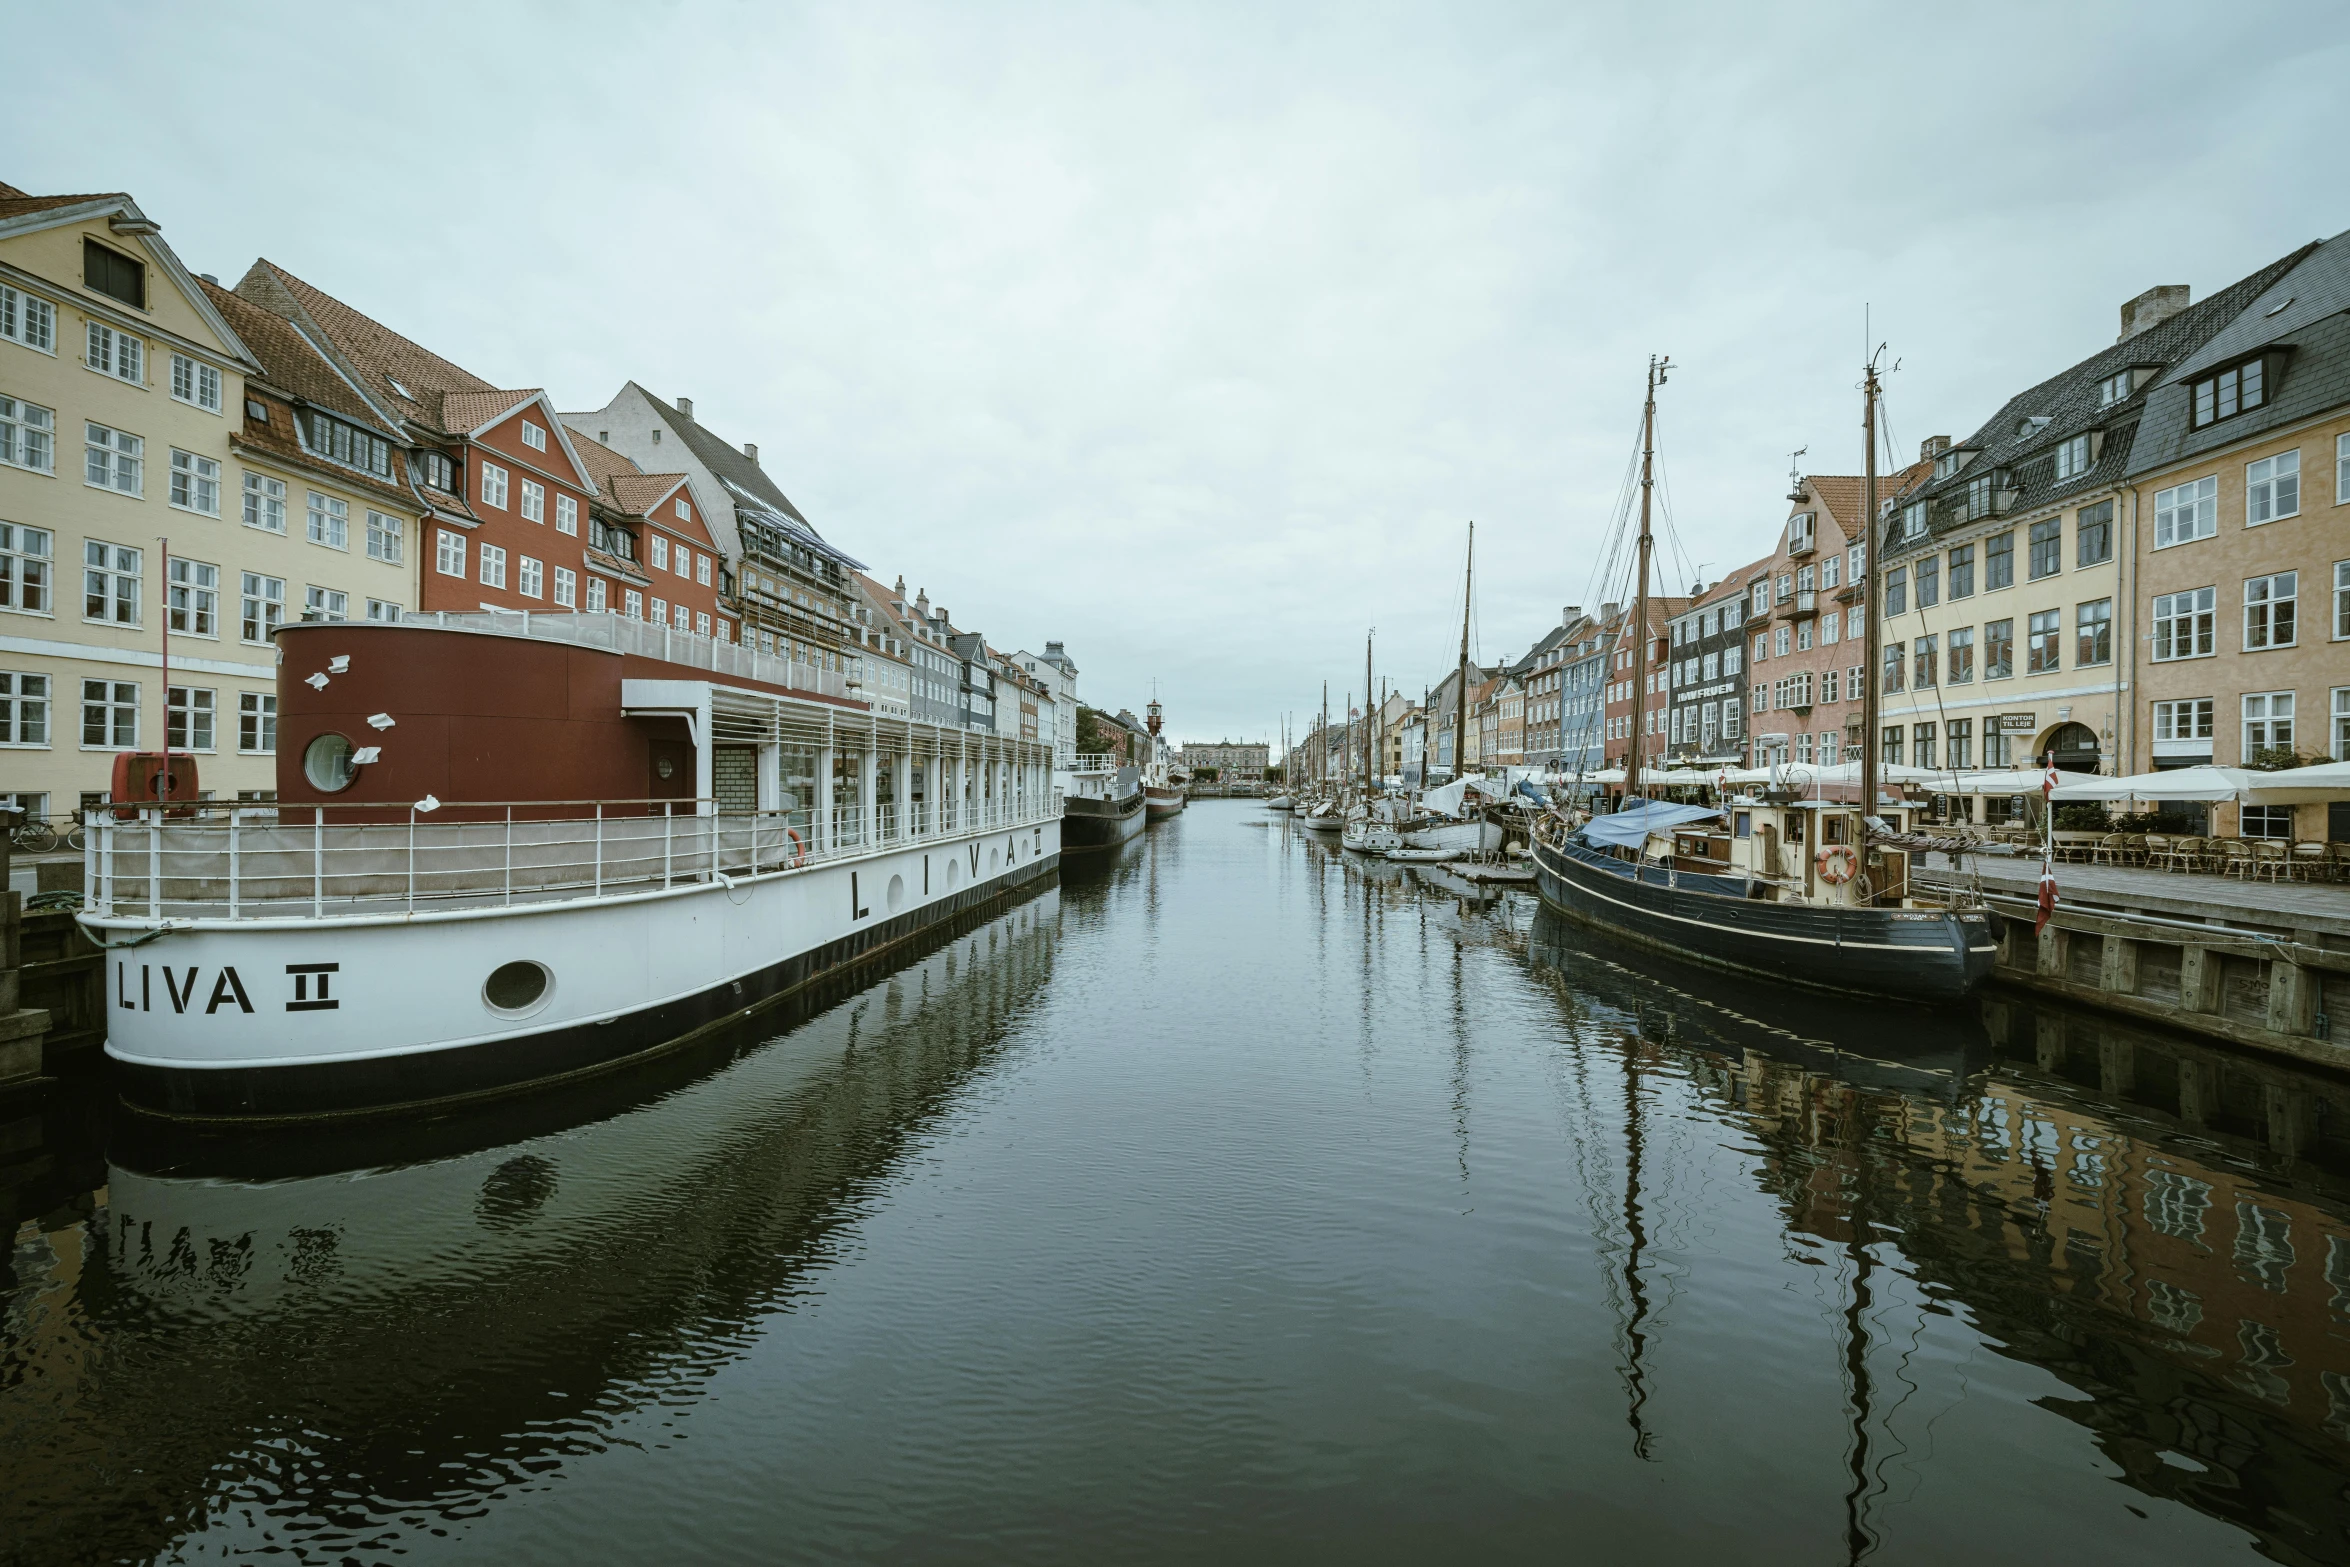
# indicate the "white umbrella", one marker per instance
pixel 2299 785
pixel 2207 784
pixel 2018 782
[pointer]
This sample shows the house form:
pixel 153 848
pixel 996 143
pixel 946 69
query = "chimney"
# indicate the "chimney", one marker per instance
pixel 2157 305
pixel 1932 447
pixel 1607 611
pixel 685 406
pixel 751 450
pixel 1571 614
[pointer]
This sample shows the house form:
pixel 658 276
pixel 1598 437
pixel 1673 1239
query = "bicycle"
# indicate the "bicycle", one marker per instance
pixel 34 835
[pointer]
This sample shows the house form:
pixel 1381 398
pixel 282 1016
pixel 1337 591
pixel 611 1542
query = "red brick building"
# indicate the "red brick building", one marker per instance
pixel 1653 704
pixel 650 555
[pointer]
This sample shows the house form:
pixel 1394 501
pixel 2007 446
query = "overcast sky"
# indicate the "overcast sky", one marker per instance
pixel 1193 335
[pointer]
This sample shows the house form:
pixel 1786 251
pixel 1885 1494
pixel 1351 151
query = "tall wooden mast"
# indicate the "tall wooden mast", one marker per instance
pixel 1367 718
pixel 1460 717
pixel 1632 767
pixel 1873 652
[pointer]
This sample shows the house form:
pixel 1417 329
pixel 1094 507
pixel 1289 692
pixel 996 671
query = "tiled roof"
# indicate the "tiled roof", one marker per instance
pixel 638 493
pixel 2023 436
pixel 16 203
pixel 2303 311
pixel 473 410
pixel 1839 496
pixel 289 361
pixel 402 374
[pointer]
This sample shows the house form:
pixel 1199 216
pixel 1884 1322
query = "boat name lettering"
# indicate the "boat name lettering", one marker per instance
pixel 179 989
pixel 303 974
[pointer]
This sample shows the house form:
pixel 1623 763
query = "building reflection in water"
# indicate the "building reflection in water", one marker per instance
pixel 2158 1224
pixel 262 1326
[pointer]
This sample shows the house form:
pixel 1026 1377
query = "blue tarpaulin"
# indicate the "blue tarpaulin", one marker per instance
pixel 1630 827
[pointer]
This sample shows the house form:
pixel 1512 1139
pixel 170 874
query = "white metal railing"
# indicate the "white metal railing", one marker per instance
pixel 300 861
pixel 621 634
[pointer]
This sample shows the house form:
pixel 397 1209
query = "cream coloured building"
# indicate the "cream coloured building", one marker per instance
pixel 152 468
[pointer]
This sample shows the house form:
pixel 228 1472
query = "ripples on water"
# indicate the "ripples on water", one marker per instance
pixel 1230 1202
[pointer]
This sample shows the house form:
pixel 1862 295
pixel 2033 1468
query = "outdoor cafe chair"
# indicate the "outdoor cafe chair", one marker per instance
pixel 2112 849
pixel 2270 860
pixel 2308 862
pixel 2229 856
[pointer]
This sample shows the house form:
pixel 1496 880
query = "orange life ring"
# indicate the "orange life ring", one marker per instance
pixel 799 847
pixel 1837 862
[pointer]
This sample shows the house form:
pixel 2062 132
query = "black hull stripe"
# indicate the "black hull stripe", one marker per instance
pixel 433 1079
pixel 1930 967
pixel 1091 825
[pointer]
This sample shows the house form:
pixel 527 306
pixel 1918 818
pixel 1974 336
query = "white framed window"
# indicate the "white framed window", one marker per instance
pixel 659 548
pixel 2268 723
pixel 187 718
pixel 2093 633
pixel 117 354
pixel 633 604
pixel 2186 512
pixel 24 709
pixel 684 560
pixel 448 552
pixel 2342 470
pixel 194 382
pixel 2341 746
pixel 110 715
pixel 684 511
pixel 265 503
pixel 534 501
pixel 595 596
pixel 28 319
pixel 25 567
pixel 530 577
pixel 493 485
pixel 701 623
pixel 385 538
pixel 2272 488
pixel 2072 457
pixel 325 604
pixel 383 611
pixel 660 610
pixel 195 483
pixel 2269 605
pixel 28 435
pixel 702 570
pixel 330 521
pixel 1779 638
pixel 493 566
pixel 566 587
pixel 726 634
pixel 2182 722
pixel 2183 624
pixel 257 722
pixel 113 459
pixel 566 515
pixel 191 597
pixel 110 583
pixel 533 436
pixel 2342 600
pixel 264 608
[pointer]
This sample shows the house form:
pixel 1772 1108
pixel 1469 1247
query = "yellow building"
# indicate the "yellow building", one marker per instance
pixel 152 467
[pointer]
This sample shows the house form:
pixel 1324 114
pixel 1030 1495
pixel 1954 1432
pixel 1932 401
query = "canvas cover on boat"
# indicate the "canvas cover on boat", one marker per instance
pixel 1629 828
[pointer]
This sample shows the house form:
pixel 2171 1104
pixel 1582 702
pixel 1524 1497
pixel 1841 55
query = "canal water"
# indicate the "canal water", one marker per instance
pixel 1232 1201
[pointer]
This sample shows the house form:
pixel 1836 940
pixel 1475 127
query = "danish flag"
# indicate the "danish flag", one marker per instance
pixel 2047 889
pixel 2049 780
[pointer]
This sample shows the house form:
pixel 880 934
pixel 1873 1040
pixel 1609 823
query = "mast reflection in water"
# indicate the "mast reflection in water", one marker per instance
pixel 1233 1201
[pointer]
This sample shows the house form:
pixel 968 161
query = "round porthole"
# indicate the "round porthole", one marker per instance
pixel 665 767
pixel 517 989
pixel 326 762
pixel 897 893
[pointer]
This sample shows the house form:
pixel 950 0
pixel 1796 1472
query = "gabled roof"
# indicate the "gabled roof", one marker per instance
pixel 400 374
pixel 2302 311
pixel 2024 434
pixel 291 363
pixel 23 213
pixel 1839 495
pixel 473 412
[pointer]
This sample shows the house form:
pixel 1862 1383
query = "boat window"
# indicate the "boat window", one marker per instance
pixel 1745 828
pixel 326 762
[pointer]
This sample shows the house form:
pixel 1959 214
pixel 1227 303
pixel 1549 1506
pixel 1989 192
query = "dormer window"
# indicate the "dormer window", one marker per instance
pixel 435 470
pixel 1978 497
pixel 2075 456
pixel 1800 538
pixel 1945 465
pixel 2114 388
pixel 2032 425
pixel 1913 520
pixel 2238 389
pixel 348 444
pixel 533 437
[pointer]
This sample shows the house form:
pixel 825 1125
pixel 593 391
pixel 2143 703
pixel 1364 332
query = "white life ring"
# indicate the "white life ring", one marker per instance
pixel 1837 862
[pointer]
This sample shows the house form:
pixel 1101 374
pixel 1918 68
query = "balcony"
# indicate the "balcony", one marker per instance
pixel 1804 604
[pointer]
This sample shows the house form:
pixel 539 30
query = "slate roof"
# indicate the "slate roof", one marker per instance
pixel 2065 405
pixel 2310 320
